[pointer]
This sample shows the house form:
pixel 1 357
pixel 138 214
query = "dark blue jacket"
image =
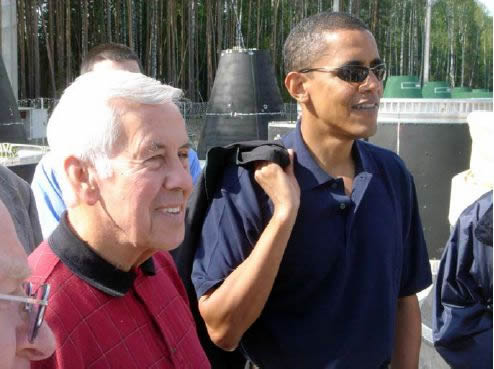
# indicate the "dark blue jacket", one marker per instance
pixel 462 313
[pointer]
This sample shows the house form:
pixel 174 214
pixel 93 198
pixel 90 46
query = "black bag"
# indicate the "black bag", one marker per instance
pixel 217 159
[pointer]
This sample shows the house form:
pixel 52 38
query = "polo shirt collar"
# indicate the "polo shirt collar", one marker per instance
pixel 89 266
pixel 310 175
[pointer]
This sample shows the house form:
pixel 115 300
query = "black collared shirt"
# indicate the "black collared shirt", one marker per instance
pixel 80 258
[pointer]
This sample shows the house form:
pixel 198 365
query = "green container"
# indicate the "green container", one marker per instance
pixel 405 87
pixel 461 93
pixel 481 93
pixel 436 90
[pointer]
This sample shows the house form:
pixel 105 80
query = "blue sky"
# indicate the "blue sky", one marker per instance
pixel 489 4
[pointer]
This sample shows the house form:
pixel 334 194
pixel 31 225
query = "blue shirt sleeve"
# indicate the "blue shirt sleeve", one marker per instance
pixel 416 270
pixel 231 227
pixel 48 195
pixel 462 310
pixel 194 166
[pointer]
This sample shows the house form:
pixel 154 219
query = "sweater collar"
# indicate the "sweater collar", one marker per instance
pixel 89 266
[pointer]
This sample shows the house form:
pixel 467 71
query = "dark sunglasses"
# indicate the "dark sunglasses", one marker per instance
pixel 352 73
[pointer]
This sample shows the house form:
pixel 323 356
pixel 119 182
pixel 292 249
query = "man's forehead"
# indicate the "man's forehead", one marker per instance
pixel 350 44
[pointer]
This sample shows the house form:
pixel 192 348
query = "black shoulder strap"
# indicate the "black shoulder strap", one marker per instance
pixel 217 159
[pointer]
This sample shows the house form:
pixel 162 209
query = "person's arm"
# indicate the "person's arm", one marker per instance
pixel 48 196
pixel 407 334
pixel 230 309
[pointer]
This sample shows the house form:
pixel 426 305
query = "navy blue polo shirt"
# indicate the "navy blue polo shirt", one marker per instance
pixel 348 260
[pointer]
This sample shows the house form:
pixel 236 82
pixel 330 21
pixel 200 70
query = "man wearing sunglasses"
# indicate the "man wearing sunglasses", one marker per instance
pixel 317 266
pixel 23 334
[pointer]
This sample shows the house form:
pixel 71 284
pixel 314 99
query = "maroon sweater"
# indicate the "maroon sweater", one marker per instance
pixel 106 318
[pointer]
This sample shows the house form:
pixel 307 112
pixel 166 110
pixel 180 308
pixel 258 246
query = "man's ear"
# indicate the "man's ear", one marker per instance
pixel 295 84
pixel 82 178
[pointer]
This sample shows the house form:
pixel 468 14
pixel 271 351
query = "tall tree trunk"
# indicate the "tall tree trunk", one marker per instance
pixel 410 40
pixel 463 47
pixel 451 39
pixel 475 60
pixel 402 38
pixel 427 40
pixel 68 43
pixel 273 35
pixel 36 70
pixel 60 54
pixel 210 45
pixel 171 42
pixel 336 5
pixel 108 20
pixel 48 43
pixel 249 24
pixel 258 23
pixel 375 13
pixel 219 26
pixel 117 21
pixel 84 30
pixel 129 24
pixel 22 47
pixel 191 49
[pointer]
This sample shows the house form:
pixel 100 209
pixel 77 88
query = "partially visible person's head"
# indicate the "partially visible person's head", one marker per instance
pixel 307 41
pixel 111 57
pixel 16 350
pixel 124 147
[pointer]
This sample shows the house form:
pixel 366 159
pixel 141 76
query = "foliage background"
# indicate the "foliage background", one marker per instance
pixel 179 41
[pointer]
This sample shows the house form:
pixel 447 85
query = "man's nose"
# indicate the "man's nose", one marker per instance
pixel 41 348
pixel 179 178
pixel 371 83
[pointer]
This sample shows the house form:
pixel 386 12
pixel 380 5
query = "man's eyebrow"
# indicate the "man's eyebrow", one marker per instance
pixel 153 147
pixel 375 62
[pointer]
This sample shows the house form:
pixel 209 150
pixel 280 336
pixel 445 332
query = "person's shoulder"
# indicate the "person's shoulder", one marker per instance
pixel 46 267
pixel 9 177
pixel 475 211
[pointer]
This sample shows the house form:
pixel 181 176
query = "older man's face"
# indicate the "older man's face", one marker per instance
pixel 145 197
pixel 15 349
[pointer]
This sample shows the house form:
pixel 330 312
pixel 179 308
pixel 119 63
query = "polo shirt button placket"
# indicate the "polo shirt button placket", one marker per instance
pixel 342 206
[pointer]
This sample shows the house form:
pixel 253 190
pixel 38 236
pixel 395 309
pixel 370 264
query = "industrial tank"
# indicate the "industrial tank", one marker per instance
pixel 244 99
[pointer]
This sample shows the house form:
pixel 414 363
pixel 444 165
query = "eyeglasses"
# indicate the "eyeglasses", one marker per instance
pixel 34 305
pixel 352 73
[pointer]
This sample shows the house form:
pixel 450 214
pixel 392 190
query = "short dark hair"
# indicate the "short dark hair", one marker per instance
pixel 110 51
pixel 306 41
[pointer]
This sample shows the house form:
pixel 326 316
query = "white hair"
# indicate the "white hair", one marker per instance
pixel 85 122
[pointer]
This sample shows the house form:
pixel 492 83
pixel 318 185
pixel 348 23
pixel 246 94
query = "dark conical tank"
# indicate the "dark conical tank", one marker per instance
pixel 244 99
pixel 11 127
